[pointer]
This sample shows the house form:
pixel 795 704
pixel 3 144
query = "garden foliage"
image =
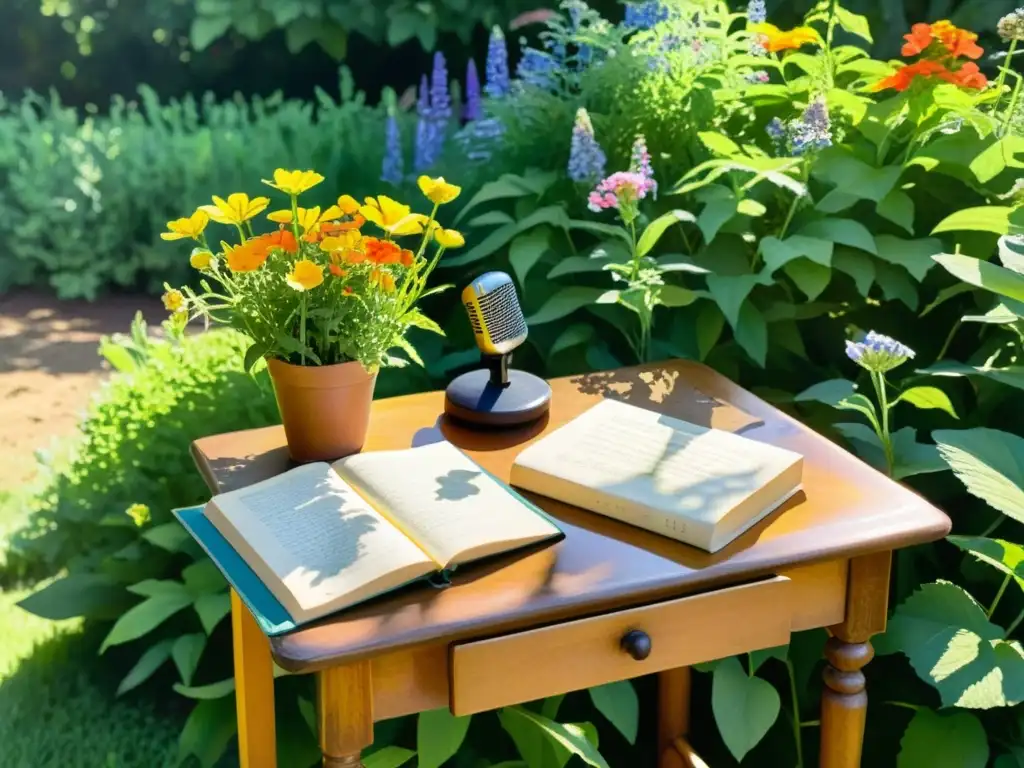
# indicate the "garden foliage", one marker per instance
pixel 805 194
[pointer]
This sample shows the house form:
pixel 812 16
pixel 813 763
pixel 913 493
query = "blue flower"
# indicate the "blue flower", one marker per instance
pixel 480 138
pixel 393 167
pixel 498 81
pixel 645 15
pixel 536 68
pixel 440 101
pixel 423 151
pixel 813 130
pixel 473 109
pixel 586 158
pixel 757 12
pixel 878 353
pixel 778 132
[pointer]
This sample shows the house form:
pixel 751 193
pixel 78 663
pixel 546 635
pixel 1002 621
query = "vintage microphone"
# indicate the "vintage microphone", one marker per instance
pixel 496 395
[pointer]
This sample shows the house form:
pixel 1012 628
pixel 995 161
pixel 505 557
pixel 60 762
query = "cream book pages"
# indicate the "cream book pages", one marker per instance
pixel 315 543
pixel 445 502
pixel 691 483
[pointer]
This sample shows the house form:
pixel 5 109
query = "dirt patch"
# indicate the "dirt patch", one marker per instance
pixel 49 368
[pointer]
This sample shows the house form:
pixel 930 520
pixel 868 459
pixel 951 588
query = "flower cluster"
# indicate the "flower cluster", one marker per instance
pixel 536 68
pixel 622 191
pixel 586 158
pixel 434 108
pixel 811 132
pixel 645 15
pixel 640 162
pixel 1011 26
pixel 942 48
pixel 878 353
pixel 473 109
pixel 498 82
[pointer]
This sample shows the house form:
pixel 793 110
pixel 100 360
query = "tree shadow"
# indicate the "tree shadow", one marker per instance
pixel 457 485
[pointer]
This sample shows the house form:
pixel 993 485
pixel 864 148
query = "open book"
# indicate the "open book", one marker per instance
pixel 701 486
pixel 324 537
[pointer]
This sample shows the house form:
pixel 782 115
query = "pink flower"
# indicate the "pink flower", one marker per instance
pixel 619 189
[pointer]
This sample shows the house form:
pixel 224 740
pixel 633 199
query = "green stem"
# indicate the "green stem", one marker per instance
pixel 241 233
pixel 789 218
pixel 295 219
pixel 949 340
pixel 636 262
pixel 302 326
pixel 905 705
pixel 1001 83
pixel 810 724
pixel 797 725
pixel 992 528
pixel 686 240
pixel 1013 106
pixel 879 381
pixel 999 595
pixel 1015 624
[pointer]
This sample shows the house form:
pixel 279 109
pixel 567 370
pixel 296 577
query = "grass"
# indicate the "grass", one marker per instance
pixel 57 704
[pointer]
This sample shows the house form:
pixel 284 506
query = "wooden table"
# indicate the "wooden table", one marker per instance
pixel 551 622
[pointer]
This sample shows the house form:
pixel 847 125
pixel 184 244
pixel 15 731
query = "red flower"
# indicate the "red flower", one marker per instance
pixel 407 257
pixel 969 76
pixel 338 271
pixel 905 76
pixel 382 251
pixel 347 290
pixel 959 42
pixel 920 37
pixel 283 239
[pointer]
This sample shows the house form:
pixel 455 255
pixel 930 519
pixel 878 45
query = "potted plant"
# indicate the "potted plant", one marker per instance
pixel 324 303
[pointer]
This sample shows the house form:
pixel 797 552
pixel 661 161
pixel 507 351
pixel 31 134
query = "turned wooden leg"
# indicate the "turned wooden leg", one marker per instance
pixel 254 689
pixel 844 703
pixel 345 698
pixel 673 715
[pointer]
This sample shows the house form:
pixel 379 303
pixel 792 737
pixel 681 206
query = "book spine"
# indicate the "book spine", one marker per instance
pixel 676 527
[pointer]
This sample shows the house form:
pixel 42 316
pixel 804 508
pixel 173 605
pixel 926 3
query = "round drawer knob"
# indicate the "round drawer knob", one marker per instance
pixel 637 644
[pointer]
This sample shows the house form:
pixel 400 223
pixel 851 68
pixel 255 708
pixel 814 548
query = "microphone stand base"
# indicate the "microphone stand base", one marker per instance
pixel 474 399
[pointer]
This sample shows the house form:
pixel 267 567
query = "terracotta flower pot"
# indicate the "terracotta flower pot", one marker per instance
pixel 325 409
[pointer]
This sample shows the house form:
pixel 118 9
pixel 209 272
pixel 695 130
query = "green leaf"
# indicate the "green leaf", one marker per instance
pixel 676 262
pixel 158 587
pixel 577 333
pixel 752 333
pixel 990 463
pixel 1000 280
pixel 186 653
pixel 947 293
pixel 854 178
pixel 203 577
pixel 565 302
pixel 1003 555
pixel 206 29
pixel 857 265
pixel 928 398
pixel 526 250
pixel 709 326
pixel 170 536
pixel 830 392
pixel 946 740
pixel 1011 253
pixel 145 617
pixel 719 143
pixel 897 207
pixel 716 215
pixel 750 207
pixel 211 609
pixel 843 231
pixel 1012 375
pixel 439 734
pixel 676 296
pixel 836 201
pixel 952 645
pixel 388 757
pixel 208 692
pixel 777 253
pixel 207 732
pixel 744 707
pixel 731 291
pixel 913 255
pixel 491 219
pixel 253 355
pixel 854 23
pixel 417 319
pixel 619 703
pixel 989 218
pixel 77 594
pixel 757 658
pixel 812 279
pixel 502 189
pixel 912 457
pixel 600 228
pixel 148 663
pixel 657 228
pixel 896 284
pixel 572 738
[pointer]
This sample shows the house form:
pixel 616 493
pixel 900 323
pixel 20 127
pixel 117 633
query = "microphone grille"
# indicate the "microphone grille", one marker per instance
pixel 502 313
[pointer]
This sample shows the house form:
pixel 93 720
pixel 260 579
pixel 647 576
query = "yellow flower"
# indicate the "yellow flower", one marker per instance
pixel 775 40
pixel 200 259
pixel 348 204
pixel 192 227
pixel 341 242
pixel 294 182
pixel 438 190
pixel 394 218
pixel 310 219
pixel 174 300
pixel 305 275
pixel 139 513
pixel 238 208
pixel 449 238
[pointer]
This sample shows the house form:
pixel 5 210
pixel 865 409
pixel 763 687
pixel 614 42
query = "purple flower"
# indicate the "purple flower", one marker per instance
pixel 813 130
pixel 498 84
pixel 423 151
pixel 423 99
pixel 620 190
pixel 473 110
pixel 640 162
pixel 392 169
pixel 586 158
pixel 878 353
pixel 440 101
pixel 536 68
pixel 757 12
pixel 645 15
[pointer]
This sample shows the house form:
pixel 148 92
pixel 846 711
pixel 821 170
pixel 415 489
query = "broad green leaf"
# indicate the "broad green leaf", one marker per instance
pixel 913 255
pixel 600 228
pixel 657 228
pixel 731 291
pixel 573 265
pixel 716 215
pixel 750 207
pixel 989 218
pixel 994 159
pixel 572 738
pixel 1012 375
pixel 897 207
pixel 952 645
pixel 148 663
pixel 912 457
pixel 439 734
pixel 757 658
pixel 992 277
pixel 145 617
pixel 487 247
pixel 619 703
pixel 501 189
pixel 744 707
pixel 830 392
pixel 208 692
pixel 676 296
pixel 812 279
pixel 928 398
pixel 491 219
pixel 78 594
pixel 1011 253
pixel 854 23
pixel 207 732
pixel 203 577
pixel 896 284
pixel 158 587
pixel 565 302
pixel 943 740
pixel 417 319
pixel 1003 555
pixel 577 333
pixel 676 262
pixel 990 463
pixel 253 355
pixel 852 176
pixel 709 326
pixel 836 201
pixel 186 653
pixel 526 250
pixel 212 609
pixel 719 143
pixel 777 253
pixel 950 292
pixel 388 757
pixel 842 231
pixel 752 333
pixel 170 536
pixel 857 265
pixel 206 29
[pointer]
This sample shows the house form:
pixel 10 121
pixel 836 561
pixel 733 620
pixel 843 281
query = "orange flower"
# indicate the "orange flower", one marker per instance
pixel 960 42
pixel 347 290
pixel 330 228
pixel 957 42
pixel 920 37
pixel 775 40
pixel 904 77
pixel 338 271
pixel 382 278
pixel 251 254
pixel 407 258
pixel 382 251
pixel 283 239
pixel 969 76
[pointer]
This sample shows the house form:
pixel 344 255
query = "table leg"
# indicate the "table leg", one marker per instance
pixel 345 699
pixel 844 703
pixel 673 714
pixel 254 689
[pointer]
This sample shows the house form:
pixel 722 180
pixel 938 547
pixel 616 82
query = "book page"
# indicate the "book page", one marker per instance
pixel 657 462
pixel 320 539
pixel 445 502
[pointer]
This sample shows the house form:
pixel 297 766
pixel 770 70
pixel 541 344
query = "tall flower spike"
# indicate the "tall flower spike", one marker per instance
pixel 586 158
pixel 498 81
pixel 392 169
pixel 640 161
pixel 423 100
pixel 424 144
pixel 473 109
pixel 440 99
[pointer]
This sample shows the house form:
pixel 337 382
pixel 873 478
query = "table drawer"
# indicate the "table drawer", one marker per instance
pixel 529 665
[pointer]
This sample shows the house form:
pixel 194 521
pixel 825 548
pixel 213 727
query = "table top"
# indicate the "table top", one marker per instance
pixel 846 509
